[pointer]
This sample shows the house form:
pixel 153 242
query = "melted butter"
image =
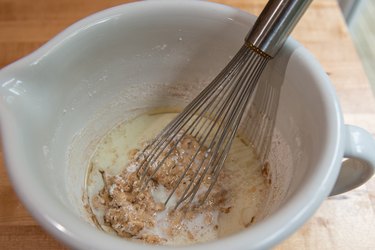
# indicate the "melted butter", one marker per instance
pixel 247 188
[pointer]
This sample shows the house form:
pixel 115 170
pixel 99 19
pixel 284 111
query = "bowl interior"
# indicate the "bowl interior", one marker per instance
pixel 58 103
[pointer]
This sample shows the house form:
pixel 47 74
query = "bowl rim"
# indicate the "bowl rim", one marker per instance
pixel 78 234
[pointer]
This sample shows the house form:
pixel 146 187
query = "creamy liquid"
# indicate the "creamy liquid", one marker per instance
pixel 247 187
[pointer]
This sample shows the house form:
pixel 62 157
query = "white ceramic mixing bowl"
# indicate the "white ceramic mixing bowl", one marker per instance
pixel 57 102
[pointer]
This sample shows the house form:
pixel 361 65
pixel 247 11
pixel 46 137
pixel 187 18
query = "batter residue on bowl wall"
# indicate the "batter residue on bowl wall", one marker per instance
pixel 121 207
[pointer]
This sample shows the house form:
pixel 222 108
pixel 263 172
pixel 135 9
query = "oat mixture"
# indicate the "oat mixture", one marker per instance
pixel 120 205
pixel 132 211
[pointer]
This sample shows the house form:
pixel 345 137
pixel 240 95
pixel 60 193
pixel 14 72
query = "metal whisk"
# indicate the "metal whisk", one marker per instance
pixel 213 117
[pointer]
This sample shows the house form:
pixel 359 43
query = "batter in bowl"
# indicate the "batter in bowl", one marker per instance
pixel 120 206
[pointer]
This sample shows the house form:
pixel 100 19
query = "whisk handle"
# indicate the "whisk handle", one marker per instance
pixel 275 23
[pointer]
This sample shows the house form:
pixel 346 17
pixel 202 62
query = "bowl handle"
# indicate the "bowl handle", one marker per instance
pixel 360 165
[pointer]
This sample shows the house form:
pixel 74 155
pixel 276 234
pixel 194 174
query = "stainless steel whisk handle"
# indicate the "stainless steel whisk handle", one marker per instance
pixel 275 23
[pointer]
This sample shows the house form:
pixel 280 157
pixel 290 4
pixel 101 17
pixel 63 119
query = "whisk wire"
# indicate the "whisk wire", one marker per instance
pixel 232 116
pixel 184 117
pixel 212 118
pixel 156 155
pixel 214 122
pixel 221 159
pixel 224 108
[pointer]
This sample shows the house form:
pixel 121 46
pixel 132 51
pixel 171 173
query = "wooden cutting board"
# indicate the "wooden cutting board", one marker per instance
pixel 343 222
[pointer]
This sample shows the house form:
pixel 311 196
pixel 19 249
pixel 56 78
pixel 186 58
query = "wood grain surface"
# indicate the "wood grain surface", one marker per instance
pixel 343 222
